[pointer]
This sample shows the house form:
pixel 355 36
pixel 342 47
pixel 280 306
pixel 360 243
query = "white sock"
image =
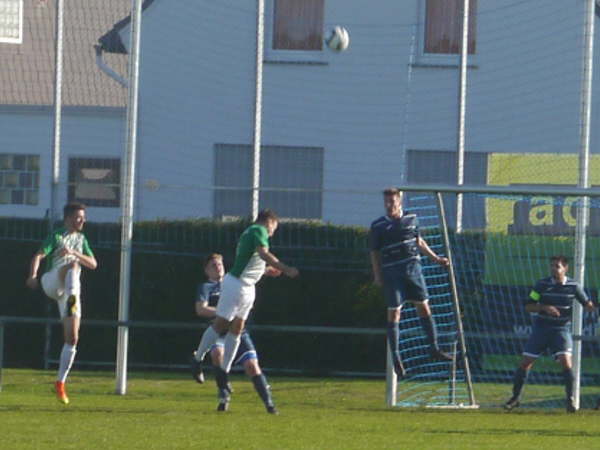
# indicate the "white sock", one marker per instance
pixel 208 339
pixel 72 281
pixel 67 356
pixel 232 342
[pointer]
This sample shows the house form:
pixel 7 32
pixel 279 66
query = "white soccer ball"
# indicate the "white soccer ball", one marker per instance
pixel 338 39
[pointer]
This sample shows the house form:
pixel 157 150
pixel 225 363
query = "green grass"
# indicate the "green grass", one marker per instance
pixel 170 411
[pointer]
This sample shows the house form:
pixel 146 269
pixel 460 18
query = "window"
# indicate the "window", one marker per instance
pixel 19 179
pixel 439 167
pixel 294 31
pixel 291 180
pixel 11 21
pixel 298 25
pixel 95 181
pixel 443 26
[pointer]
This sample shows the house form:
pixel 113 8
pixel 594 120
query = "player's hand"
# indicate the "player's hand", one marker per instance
pixel 442 261
pixel 32 283
pixel 292 272
pixel 551 310
pixel 589 307
pixel 272 271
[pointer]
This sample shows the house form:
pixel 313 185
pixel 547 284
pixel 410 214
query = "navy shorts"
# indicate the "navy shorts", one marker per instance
pixel 546 335
pixel 404 282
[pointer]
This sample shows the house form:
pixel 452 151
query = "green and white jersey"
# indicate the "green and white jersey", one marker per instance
pixel 248 265
pixel 61 238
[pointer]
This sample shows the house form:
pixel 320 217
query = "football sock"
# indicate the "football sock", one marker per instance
pixel 232 342
pixel 519 380
pixel 429 327
pixel 72 281
pixel 263 389
pixel 67 356
pixel 393 334
pixel 208 339
pixel 569 380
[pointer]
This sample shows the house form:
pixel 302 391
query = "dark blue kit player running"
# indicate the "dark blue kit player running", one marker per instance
pixel 396 248
pixel 552 299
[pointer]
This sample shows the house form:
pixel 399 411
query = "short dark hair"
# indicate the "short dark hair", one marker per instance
pixel 71 208
pixel 210 257
pixel 392 191
pixel 560 258
pixel 266 214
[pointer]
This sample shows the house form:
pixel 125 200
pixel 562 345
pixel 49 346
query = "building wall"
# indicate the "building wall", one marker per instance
pixel 84 134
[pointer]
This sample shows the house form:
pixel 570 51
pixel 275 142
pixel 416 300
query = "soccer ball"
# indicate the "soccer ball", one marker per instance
pixel 338 39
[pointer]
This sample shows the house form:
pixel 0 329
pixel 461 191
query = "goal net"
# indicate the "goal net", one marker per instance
pixel 497 258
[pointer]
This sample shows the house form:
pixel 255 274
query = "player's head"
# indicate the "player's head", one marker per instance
pixel 559 265
pixel 269 219
pixel 74 216
pixel 213 266
pixel 392 201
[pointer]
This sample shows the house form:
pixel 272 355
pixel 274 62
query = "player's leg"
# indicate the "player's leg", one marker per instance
pixel 207 341
pixel 226 311
pixel 223 389
pixel 70 275
pixel 415 290
pixel 248 357
pixel 71 323
pixel 534 347
pixel 561 347
pixel 393 298
pixel 232 338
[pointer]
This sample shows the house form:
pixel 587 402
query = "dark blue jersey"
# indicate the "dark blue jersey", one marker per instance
pixel 209 292
pixel 548 291
pixel 396 239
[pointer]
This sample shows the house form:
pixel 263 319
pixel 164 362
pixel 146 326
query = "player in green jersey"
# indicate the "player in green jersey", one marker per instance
pixel 252 260
pixel 68 250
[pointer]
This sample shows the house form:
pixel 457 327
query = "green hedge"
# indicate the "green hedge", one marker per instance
pixel 333 290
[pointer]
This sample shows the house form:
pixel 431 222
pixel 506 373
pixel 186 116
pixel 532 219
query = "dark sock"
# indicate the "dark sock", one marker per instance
pixel 429 327
pixel 263 389
pixel 569 380
pixel 519 380
pixel 393 335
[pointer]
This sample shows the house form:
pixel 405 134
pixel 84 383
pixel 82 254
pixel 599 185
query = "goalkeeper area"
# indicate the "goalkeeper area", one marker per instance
pixel 171 411
pixel 504 250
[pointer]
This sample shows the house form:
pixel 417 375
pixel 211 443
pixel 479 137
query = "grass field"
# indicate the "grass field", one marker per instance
pixel 170 411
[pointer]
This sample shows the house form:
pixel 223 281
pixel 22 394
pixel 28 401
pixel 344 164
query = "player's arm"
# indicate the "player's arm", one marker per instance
pixel 533 304
pixel 34 267
pixel 376 266
pixel 425 248
pixel 86 257
pixel 584 300
pixel 272 261
pixel 88 261
pixel 204 310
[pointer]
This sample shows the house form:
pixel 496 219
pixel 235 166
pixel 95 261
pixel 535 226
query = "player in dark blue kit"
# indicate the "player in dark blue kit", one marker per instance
pixel 206 301
pixel 396 260
pixel 552 300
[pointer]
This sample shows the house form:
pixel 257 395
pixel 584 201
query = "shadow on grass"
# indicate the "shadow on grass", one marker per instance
pixel 510 432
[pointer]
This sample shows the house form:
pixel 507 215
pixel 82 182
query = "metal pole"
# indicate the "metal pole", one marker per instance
pixel 127 196
pixel 462 101
pixel 56 144
pixel 457 313
pixel 1 351
pixel 58 76
pixel 260 37
pixel 391 379
pixel 583 217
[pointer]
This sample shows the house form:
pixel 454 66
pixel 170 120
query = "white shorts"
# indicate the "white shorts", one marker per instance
pixel 54 288
pixel 236 298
